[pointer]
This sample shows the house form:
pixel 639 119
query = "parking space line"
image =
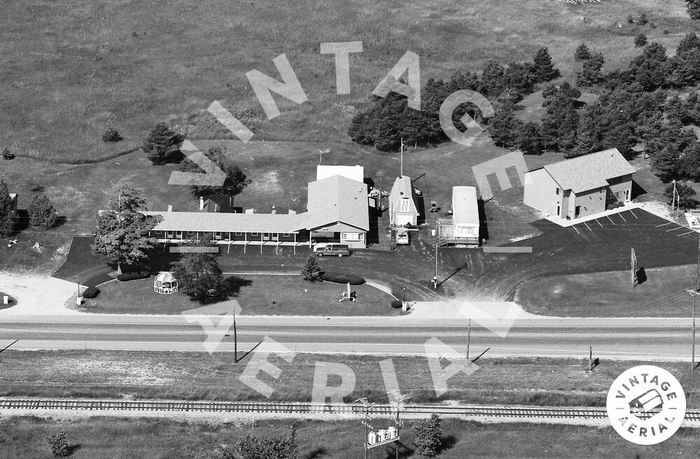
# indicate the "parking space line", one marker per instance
pixel 674 229
pixel 633 214
pixel 663 224
pixel 610 219
pixel 574 227
pixel 688 232
pixel 623 218
pixel 589 228
pixel 601 225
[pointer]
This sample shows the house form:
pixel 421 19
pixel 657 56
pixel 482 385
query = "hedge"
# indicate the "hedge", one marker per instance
pixel 396 304
pixel 91 292
pixel 342 278
pixel 131 276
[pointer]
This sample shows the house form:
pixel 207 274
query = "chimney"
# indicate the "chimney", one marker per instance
pixel 201 203
pixel 170 207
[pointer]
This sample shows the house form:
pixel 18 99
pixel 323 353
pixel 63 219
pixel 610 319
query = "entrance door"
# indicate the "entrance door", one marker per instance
pixel 577 212
pixel 266 236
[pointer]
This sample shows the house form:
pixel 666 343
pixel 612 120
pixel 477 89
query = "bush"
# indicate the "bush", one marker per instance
pixel 58 443
pixel 112 135
pixel 123 277
pixel 91 292
pixel 342 278
pixel 396 304
pixel 7 154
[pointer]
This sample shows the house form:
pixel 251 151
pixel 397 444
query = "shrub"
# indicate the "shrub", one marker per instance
pixel 123 277
pixel 396 304
pixel 342 278
pixel 640 40
pixel 112 135
pixel 7 154
pixel 58 443
pixel 91 292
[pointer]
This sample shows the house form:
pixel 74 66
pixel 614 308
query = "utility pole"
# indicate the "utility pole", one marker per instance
pixel 401 157
pixel 673 198
pixel 469 334
pixel 235 336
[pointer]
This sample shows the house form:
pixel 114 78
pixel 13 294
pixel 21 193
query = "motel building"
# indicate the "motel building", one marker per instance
pixel 337 211
pixel 581 186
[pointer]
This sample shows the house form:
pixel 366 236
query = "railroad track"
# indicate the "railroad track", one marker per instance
pixel 378 410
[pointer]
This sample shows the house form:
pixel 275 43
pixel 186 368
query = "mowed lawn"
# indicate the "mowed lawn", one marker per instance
pixel 71 69
pixel 167 438
pixel 610 294
pixel 264 295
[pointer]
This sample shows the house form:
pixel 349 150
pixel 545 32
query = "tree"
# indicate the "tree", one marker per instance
pixel 311 270
pixel 582 52
pixel 7 212
pixel 428 436
pixel 640 40
pixel 58 444
pixel 234 183
pixel 162 144
pixel 685 195
pixel 112 135
pixel 651 67
pixel 269 447
pixel 529 139
pixel 504 127
pixel 122 230
pixel 492 78
pixel 200 276
pixel 693 8
pixel 591 72
pixel 559 125
pixel 544 69
pixel 41 212
pixel 689 42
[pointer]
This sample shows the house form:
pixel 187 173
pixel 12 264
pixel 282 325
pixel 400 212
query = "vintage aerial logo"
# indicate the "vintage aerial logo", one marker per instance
pixel 646 405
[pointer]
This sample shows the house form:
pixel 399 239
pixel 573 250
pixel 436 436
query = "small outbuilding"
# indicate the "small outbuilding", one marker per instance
pixel 165 283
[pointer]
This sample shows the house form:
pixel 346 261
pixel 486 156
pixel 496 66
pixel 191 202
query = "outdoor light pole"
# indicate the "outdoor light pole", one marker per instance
pixel 693 293
pixel 235 336
pixel 404 295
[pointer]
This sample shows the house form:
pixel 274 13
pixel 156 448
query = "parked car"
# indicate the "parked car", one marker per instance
pixel 402 237
pixel 331 249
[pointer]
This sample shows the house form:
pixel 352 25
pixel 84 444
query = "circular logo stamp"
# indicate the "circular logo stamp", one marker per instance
pixel 646 405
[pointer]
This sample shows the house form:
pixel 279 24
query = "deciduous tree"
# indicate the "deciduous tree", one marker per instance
pixel 41 212
pixel 199 276
pixel 122 230
pixel 7 212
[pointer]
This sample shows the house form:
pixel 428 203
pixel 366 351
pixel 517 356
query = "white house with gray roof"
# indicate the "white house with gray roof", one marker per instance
pixel 581 186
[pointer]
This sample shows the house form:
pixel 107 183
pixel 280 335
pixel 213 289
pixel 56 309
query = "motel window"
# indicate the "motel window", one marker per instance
pixel 351 236
pixel 217 235
pixel 286 234
pixel 557 192
pixel 239 233
pixel 253 234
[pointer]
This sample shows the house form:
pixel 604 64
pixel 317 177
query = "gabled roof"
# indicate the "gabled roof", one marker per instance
pixel 337 199
pixel 401 196
pixel 589 172
pixel 356 173
pixel 224 222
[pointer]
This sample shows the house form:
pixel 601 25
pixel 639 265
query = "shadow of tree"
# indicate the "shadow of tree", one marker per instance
pixel 234 284
pixel 316 453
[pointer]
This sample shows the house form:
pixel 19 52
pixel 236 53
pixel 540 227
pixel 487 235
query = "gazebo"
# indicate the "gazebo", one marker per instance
pixel 165 283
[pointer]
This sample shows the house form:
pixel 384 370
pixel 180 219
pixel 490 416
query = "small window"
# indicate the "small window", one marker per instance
pixel 253 234
pixel 286 234
pixel 238 233
pixel 557 191
pixel 218 235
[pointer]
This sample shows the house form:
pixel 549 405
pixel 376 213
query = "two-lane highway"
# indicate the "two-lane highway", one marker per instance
pixel 637 339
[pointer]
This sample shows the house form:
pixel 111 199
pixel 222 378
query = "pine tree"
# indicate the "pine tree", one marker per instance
pixel 161 144
pixel 41 212
pixel 504 127
pixel 492 78
pixel 582 52
pixel 7 212
pixel 311 270
pixel 640 40
pixel 529 139
pixel 591 73
pixel 544 69
pixel 428 436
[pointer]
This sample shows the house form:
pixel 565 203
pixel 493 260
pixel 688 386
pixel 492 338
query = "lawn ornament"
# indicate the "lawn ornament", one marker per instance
pixel 348 295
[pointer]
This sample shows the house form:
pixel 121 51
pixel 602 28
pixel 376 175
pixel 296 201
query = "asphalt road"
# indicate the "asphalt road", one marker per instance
pixel 628 339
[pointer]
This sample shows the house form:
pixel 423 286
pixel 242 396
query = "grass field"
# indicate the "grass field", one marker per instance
pixel 74 68
pixel 163 375
pixel 142 438
pixel 661 295
pixel 264 295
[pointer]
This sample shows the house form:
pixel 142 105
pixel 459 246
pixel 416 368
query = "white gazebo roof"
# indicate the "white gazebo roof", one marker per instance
pixel 165 276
